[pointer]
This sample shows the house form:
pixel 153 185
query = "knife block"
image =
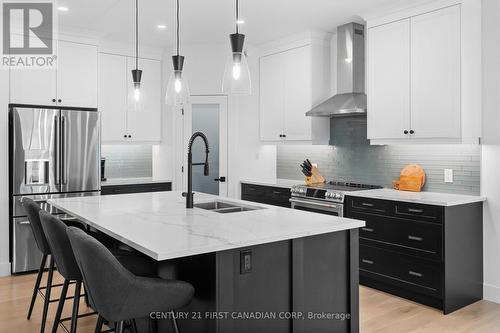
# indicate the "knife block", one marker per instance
pixel 316 177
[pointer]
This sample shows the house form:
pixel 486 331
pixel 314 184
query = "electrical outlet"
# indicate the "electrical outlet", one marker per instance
pixel 245 261
pixel 448 175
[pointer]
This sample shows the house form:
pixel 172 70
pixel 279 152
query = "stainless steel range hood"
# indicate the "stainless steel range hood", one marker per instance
pixel 351 97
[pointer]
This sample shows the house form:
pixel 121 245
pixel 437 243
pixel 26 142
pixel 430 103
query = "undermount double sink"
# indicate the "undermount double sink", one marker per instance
pixel 225 207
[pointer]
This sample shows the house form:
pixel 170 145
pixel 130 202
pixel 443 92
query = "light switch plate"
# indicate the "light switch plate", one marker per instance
pixel 448 175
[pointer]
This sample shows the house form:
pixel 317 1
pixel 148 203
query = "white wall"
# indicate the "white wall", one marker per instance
pixel 4 174
pixel 490 163
pixel 247 158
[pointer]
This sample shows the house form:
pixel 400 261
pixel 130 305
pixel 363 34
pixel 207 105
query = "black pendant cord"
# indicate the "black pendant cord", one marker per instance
pixel 237 15
pixel 178 27
pixel 136 34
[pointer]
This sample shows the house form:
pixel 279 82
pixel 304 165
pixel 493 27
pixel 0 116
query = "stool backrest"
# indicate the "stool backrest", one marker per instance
pixel 33 210
pixel 55 232
pixel 104 276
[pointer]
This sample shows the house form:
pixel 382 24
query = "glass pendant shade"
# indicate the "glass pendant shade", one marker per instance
pixel 177 88
pixel 136 93
pixel 237 75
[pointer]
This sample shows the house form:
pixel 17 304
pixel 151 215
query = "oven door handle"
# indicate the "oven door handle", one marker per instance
pixel 316 204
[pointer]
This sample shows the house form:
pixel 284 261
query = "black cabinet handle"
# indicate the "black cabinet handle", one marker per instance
pixel 367 204
pixel 277 192
pixel 221 179
pixel 129 136
pixel 284 135
pixel 415 274
pixel 53 100
pixel 59 100
pixel 368 229
pixel 412 132
pixel 125 136
pixel 415 238
pixel 366 261
pixel 405 131
pixel 416 211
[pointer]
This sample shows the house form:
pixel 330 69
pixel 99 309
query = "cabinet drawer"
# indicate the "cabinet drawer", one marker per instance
pixel 406 271
pixel 279 196
pixel 419 212
pixel 135 188
pixel 252 190
pixel 266 194
pixel 414 238
pixel 367 205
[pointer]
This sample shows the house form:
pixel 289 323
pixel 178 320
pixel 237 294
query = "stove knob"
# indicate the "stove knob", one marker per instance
pixel 338 196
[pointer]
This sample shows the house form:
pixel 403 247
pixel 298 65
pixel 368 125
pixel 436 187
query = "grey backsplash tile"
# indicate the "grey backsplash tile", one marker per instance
pixel 355 160
pixel 128 161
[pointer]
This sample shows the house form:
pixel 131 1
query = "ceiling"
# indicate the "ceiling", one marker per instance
pixel 210 20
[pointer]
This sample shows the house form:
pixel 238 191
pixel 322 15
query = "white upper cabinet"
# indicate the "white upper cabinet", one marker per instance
pixel 113 97
pixel 144 125
pixel 389 81
pixel 72 83
pixel 416 76
pixel 272 95
pixel 77 74
pixel 121 120
pixel 33 86
pixel 297 101
pixel 435 74
pixel 285 95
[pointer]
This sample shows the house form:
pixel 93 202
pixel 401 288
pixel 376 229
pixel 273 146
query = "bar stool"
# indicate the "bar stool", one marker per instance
pixel 32 210
pixel 119 295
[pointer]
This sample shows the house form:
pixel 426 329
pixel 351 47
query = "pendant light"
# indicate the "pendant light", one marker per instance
pixel 236 73
pixel 137 94
pixel 177 88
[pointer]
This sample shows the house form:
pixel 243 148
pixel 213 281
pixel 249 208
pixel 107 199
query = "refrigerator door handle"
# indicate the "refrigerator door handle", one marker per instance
pixel 63 151
pixel 56 151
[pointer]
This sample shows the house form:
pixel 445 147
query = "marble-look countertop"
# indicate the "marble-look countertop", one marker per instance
pixel 159 225
pixel 283 183
pixel 428 198
pixel 133 181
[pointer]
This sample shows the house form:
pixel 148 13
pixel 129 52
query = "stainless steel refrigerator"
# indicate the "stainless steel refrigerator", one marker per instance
pixel 54 152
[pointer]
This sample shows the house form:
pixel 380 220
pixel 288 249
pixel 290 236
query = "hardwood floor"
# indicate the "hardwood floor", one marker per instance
pixel 380 312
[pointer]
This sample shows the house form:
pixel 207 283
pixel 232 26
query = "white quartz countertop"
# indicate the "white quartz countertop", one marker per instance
pixel 283 183
pixel 428 198
pixel 133 181
pixel 158 224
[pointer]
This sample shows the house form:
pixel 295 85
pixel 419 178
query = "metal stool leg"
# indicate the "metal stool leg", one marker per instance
pixel 47 294
pixel 76 304
pixel 174 322
pixel 37 285
pixel 98 325
pixel 119 327
pixel 60 306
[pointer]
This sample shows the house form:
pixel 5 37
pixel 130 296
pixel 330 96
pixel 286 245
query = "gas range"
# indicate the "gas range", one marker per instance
pixel 333 191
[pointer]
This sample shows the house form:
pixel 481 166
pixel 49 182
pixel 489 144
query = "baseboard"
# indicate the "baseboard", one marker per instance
pixel 4 268
pixel 491 293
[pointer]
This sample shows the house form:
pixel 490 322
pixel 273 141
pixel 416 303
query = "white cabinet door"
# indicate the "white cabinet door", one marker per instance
pixel 389 81
pixel 144 124
pixel 112 89
pixel 272 92
pixel 435 68
pixel 33 86
pixel 297 94
pixel 77 74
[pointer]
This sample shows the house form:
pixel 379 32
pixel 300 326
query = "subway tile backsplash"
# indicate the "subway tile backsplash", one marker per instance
pixel 128 161
pixel 380 165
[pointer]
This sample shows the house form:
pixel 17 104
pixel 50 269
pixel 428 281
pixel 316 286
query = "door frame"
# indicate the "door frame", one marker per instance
pixel 222 102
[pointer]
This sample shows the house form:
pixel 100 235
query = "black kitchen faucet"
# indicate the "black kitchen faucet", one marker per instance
pixel 189 193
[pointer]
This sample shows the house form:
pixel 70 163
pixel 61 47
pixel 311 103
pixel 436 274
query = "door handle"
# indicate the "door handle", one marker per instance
pixel 56 152
pixel 221 179
pixel 63 150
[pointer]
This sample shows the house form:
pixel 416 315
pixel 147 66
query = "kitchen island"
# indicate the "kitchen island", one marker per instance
pixel 255 268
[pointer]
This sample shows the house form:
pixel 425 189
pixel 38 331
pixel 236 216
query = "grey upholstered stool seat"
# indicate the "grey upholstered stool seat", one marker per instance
pixel 119 295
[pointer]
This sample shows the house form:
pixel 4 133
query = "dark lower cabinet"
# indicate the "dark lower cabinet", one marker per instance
pixel 270 195
pixel 135 188
pixel 429 254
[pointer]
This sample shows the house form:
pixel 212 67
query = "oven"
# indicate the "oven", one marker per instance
pixel 317 206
